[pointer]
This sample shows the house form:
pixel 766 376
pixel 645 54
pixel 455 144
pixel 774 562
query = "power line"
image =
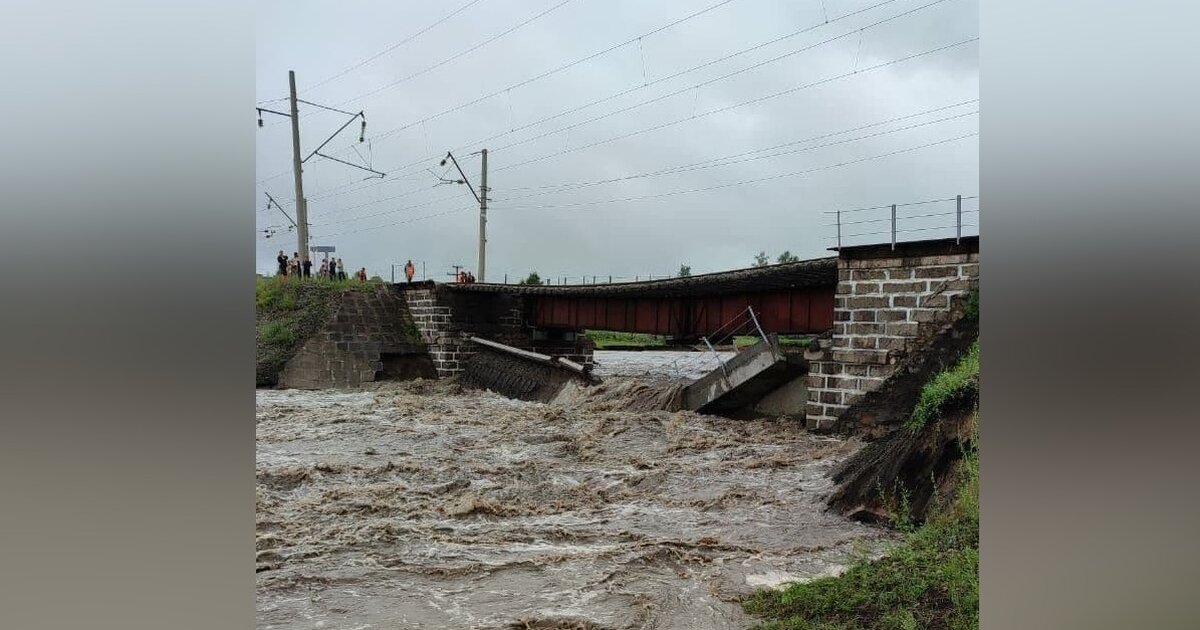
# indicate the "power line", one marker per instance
pixel 572 110
pixel 423 160
pixel 717 79
pixel 458 55
pixel 726 160
pixel 703 114
pixel 747 181
pixel 395 130
pixel 741 104
pixel 736 105
pixel 691 191
pixel 566 66
pixel 898 205
pixel 392 47
pixel 386 212
pixel 710 163
pixel 421 218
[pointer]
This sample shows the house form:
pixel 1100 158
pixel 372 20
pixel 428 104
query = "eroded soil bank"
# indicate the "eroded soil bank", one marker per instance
pixel 420 505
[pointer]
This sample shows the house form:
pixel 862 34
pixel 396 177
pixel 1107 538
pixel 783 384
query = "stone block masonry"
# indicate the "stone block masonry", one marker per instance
pixel 369 336
pixel 889 304
pixel 446 319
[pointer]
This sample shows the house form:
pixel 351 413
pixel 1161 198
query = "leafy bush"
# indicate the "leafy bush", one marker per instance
pixel 971 310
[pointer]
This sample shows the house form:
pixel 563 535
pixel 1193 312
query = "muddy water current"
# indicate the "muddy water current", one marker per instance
pixel 420 505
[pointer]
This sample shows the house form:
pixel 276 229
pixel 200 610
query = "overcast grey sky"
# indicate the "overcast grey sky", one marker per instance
pixel 711 218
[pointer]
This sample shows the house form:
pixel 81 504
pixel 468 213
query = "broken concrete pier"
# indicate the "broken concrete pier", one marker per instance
pixel 744 380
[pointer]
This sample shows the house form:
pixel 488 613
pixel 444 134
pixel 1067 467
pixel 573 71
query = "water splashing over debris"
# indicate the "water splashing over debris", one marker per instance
pixel 421 505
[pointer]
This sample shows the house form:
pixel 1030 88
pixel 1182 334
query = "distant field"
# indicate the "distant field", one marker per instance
pixel 784 340
pixel 605 339
pixel 609 338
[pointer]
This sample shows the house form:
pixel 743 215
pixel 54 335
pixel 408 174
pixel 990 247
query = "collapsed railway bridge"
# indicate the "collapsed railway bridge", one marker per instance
pixel 788 298
pixel 877 311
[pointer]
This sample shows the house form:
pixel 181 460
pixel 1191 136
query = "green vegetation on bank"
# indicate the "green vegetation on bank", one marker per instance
pixel 947 387
pixel 971 310
pixel 929 580
pixel 287 312
pixel 609 338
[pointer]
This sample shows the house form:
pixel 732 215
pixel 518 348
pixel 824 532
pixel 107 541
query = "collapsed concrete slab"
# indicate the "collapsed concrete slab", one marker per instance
pixel 744 380
pixel 518 373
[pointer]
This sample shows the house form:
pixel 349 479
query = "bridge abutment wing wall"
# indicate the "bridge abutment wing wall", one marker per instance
pixel 368 336
pixel 890 305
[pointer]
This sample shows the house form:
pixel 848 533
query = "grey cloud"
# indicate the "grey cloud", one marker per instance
pixel 708 230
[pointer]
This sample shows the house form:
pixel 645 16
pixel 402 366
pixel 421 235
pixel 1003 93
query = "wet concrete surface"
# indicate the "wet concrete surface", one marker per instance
pixel 420 505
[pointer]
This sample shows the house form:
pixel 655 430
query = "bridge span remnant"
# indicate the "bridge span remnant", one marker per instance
pixel 788 298
pixel 878 311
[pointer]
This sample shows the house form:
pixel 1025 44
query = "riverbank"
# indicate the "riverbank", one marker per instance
pixel 925 480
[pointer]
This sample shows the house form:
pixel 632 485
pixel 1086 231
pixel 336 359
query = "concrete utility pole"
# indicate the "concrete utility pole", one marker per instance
pixel 301 203
pixel 483 196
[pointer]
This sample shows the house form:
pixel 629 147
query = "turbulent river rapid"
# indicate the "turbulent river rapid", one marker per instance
pixel 421 505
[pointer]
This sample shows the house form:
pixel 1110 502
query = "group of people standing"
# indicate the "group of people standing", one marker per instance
pixel 330 269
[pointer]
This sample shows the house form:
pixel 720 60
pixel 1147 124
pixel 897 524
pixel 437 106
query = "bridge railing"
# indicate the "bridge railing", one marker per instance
pixel 745 323
pixel 951 217
pixel 586 279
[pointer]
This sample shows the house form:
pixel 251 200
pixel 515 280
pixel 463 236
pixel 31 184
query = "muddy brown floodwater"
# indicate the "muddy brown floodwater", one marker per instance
pixel 420 505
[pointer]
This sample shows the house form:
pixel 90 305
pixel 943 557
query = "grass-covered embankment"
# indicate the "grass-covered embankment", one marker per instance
pixel 930 580
pixel 287 312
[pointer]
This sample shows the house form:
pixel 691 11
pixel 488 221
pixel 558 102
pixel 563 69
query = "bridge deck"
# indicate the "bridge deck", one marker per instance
pixel 788 298
pixel 818 272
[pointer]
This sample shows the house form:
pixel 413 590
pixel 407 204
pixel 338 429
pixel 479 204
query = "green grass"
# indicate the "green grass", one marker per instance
pixel 971 310
pixel 929 580
pixel 287 312
pixel 609 338
pixel 784 340
pixel 946 387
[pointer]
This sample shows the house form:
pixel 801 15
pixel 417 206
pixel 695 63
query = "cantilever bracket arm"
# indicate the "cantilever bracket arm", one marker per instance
pixel 334 134
pixel 330 157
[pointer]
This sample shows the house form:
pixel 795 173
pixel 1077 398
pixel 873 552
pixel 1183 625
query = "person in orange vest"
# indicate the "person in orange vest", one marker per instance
pixel 410 270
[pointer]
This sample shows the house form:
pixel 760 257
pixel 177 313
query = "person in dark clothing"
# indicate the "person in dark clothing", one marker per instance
pixel 307 264
pixel 282 259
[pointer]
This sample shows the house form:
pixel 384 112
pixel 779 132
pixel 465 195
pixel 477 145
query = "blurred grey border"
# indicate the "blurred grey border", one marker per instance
pixel 126 267
pixel 126 255
pixel 1089 299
